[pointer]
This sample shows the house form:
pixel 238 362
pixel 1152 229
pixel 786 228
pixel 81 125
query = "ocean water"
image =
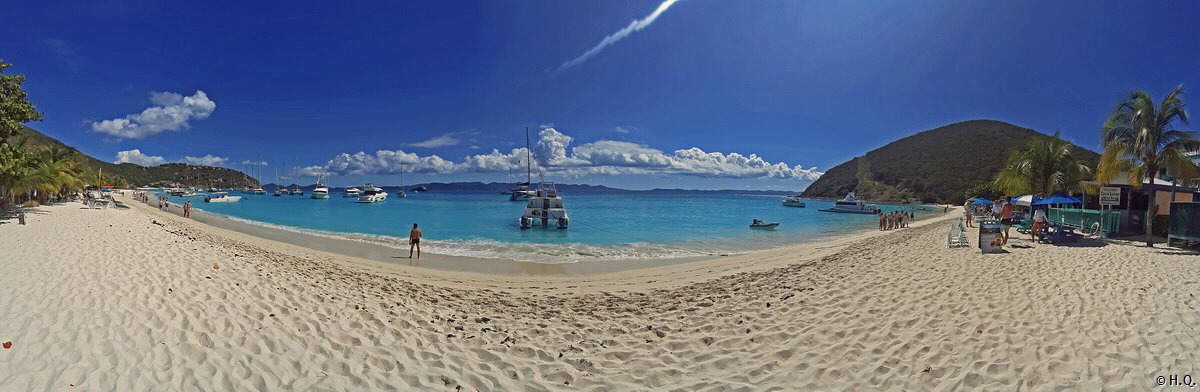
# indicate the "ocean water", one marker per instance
pixel 603 226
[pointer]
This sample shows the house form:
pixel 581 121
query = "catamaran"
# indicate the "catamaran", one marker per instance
pixel 321 191
pixel 544 207
pixel 372 194
pixel 851 205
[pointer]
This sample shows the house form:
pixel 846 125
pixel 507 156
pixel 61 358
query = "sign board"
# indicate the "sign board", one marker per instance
pixel 990 238
pixel 1110 196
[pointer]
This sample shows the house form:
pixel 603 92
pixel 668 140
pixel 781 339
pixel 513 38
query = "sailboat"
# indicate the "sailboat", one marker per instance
pixel 522 192
pixel 278 191
pixel 400 192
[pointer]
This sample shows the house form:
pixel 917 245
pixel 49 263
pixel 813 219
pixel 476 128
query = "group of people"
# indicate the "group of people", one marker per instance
pixel 1002 210
pixel 895 219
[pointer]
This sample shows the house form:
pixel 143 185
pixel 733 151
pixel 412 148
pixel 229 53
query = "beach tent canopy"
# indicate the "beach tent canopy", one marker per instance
pixel 982 201
pixel 1026 200
pixel 1058 199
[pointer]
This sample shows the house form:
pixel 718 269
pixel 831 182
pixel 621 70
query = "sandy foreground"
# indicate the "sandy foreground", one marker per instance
pixel 127 300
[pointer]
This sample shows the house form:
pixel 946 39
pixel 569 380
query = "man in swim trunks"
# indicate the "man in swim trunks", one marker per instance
pixel 1006 219
pixel 414 240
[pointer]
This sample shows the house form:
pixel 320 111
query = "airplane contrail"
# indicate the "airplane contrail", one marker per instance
pixel 617 36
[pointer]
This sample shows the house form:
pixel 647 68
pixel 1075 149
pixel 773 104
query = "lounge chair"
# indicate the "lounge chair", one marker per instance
pixel 958 235
pixel 1024 226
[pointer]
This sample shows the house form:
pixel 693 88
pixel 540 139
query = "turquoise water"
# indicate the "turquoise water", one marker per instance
pixel 603 226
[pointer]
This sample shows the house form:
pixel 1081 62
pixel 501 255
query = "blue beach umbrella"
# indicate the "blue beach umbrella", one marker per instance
pixel 1058 199
pixel 982 201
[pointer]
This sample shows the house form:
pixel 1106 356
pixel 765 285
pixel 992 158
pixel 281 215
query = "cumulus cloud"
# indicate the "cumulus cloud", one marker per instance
pixel 136 157
pixel 171 112
pixel 633 26
pixel 207 160
pixel 553 154
pixel 253 163
pixel 445 140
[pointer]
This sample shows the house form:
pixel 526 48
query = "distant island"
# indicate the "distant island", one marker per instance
pixel 496 187
pixel 934 166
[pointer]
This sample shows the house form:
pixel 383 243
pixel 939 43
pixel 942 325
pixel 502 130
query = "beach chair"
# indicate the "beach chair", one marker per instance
pixel 958 235
pixel 1024 226
pixel 1060 234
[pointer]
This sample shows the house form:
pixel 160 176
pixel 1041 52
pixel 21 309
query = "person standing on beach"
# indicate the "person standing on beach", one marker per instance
pixel 414 241
pixel 881 222
pixel 967 212
pixel 1006 220
pixel 187 209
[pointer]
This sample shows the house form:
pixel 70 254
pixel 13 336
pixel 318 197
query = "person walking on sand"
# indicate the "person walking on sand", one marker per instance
pixel 967 212
pixel 414 241
pixel 1005 220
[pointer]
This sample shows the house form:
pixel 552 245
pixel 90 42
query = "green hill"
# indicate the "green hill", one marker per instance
pixel 168 174
pixel 937 165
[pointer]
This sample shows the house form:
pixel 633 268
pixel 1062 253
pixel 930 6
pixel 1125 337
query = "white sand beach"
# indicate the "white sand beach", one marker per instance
pixel 142 300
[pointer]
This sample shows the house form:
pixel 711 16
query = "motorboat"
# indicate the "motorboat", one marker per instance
pixel 372 194
pixel 419 189
pixel 544 207
pixel 321 191
pixel 759 224
pixel 351 192
pixel 221 197
pixel 175 192
pixel 521 192
pixel 192 194
pixel 851 205
pixel 296 191
pixel 793 201
pixel 258 191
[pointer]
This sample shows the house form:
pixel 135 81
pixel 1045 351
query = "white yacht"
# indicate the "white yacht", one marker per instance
pixel 372 194
pixel 297 191
pixel 258 191
pixel 793 201
pixel 221 197
pixel 521 192
pixel 851 205
pixel 351 191
pixel 321 191
pixel 544 207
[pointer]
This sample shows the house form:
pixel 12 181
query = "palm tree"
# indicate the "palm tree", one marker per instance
pixel 1043 167
pixel 1140 139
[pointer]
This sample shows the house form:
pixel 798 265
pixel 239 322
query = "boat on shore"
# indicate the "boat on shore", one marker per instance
pixel 372 194
pixel 544 207
pixel 851 205
pixel 793 201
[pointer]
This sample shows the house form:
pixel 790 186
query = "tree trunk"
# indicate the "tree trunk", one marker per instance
pixel 1151 208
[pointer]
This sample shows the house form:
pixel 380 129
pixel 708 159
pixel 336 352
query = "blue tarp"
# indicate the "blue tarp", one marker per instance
pixel 982 201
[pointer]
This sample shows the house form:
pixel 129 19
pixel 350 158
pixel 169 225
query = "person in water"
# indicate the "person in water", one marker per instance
pixel 414 241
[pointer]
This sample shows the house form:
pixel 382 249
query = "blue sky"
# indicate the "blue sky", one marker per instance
pixel 436 86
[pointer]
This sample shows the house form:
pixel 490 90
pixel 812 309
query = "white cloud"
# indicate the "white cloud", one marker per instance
pixel 553 154
pixel 445 140
pixel 636 25
pixel 253 163
pixel 171 112
pixel 621 130
pixel 136 157
pixel 207 160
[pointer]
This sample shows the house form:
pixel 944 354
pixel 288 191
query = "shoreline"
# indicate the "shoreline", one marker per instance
pixel 380 253
pixel 137 299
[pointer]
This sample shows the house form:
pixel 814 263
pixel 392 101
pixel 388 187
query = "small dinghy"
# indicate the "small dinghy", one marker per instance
pixel 759 224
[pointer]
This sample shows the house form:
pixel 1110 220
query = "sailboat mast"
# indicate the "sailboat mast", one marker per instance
pixel 528 159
